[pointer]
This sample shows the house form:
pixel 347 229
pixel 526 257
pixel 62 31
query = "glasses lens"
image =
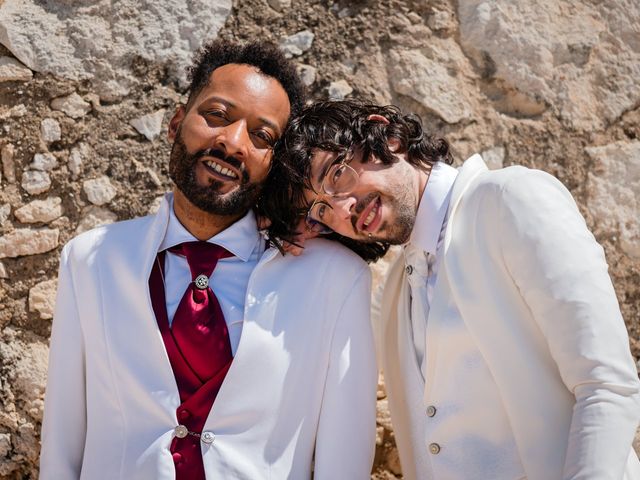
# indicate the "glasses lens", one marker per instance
pixel 341 178
pixel 317 217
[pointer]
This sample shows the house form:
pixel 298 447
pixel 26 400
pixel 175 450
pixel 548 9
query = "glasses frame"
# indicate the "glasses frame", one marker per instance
pixel 313 224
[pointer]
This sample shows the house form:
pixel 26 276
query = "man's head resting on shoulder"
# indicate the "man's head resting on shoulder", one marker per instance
pixel 354 172
pixel 240 98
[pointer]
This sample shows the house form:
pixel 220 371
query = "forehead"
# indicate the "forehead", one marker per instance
pixel 248 90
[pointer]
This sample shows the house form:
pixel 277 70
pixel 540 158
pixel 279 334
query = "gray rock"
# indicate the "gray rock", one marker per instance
pixel 40 211
pixel 76 159
pixel 307 74
pixel 50 130
pixel 585 64
pixel 615 204
pixel 279 5
pixel 5 211
pixel 72 105
pixel 42 298
pixel 35 182
pixel 93 216
pixel 297 44
pixel 441 20
pixel 16 111
pixel 98 40
pixel 27 241
pixel 5 442
pixel 149 125
pixel 494 157
pixel 339 90
pixel 99 190
pixel 8 165
pixel 12 70
pixel 429 82
pixel 44 162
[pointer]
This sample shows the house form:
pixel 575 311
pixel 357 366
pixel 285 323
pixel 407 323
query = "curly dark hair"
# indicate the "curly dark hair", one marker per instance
pixel 265 56
pixel 339 126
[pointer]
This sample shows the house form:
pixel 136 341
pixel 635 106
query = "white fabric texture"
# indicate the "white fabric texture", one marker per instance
pixel 301 386
pixel 530 283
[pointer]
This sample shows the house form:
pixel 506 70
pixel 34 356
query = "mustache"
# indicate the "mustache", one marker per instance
pixel 360 206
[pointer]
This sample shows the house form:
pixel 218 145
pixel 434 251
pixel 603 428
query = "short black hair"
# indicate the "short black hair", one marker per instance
pixel 265 56
pixel 338 126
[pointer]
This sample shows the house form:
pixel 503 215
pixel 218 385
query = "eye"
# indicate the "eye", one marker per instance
pixel 265 138
pixel 337 173
pixel 217 117
pixel 321 209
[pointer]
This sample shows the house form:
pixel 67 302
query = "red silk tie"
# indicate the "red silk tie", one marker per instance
pixel 198 326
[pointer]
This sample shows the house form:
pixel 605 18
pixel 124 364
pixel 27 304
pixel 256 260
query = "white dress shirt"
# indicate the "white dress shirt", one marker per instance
pixel 230 277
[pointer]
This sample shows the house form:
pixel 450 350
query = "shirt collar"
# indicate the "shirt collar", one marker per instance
pixel 433 207
pixel 241 238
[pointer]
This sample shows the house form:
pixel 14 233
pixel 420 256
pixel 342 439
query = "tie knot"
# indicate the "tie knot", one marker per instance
pixel 202 257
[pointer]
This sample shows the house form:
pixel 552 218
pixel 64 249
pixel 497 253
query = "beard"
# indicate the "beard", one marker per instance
pixel 209 198
pixel 400 200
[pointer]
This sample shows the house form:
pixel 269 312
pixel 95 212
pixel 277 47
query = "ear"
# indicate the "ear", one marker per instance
pixel 394 144
pixel 174 123
pixel 374 117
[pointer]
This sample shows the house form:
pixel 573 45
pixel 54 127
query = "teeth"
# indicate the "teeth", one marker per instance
pixel 221 170
pixel 371 216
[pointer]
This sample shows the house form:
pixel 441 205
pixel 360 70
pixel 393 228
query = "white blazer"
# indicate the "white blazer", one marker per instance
pixel 531 284
pixel 302 382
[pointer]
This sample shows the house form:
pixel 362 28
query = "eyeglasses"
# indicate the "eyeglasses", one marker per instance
pixel 339 180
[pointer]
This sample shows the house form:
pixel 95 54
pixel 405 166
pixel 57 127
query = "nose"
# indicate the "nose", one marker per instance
pixel 343 206
pixel 234 139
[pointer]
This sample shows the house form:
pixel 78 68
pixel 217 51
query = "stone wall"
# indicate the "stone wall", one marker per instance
pixel 86 90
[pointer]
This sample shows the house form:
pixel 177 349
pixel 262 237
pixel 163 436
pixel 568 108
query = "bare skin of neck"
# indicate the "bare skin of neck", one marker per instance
pixel 200 224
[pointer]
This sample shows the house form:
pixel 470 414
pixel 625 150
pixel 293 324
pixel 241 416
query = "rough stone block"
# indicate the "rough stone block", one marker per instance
pixel 149 125
pixel 44 162
pixel 12 70
pixel 35 182
pixel 94 217
pixel 40 211
pixel 297 44
pixel 42 298
pixel 72 105
pixel 50 130
pixel 99 190
pixel 28 241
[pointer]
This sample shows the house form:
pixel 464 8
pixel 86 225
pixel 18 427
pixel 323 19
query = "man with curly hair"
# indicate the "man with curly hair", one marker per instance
pixel 502 344
pixel 182 345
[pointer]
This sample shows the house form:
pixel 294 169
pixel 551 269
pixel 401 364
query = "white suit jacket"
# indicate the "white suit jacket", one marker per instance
pixel 302 382
pixel 531 284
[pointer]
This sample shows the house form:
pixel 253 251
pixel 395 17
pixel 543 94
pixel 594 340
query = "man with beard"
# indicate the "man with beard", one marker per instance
pixel 263 367
pixel 504 351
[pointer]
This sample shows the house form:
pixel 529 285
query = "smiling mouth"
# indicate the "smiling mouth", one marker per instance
pixel 221 170
pixel 370 217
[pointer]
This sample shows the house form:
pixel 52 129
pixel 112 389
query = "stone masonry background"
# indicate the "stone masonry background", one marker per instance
pixel 87 89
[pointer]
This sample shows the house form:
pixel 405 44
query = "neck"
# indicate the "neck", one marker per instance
pixel 200 224
pixel 421 180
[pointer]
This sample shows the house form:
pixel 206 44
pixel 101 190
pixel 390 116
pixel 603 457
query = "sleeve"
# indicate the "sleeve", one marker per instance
pixel 64 423
pixel 561 272
pixel 345 440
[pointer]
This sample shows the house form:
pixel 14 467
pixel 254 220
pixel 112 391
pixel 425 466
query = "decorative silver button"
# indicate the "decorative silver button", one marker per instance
pixel 207 437
pixel 409 269
pixel 202 282
pixel 431 411
pixel 434 448
pixel 181 431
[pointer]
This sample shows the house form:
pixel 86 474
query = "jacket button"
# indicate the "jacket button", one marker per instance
pixel 181 431
pixel 431 411
pixel 177 458
pixel 409 269
pixel 184 414
pixel 207 437
pixel 434 448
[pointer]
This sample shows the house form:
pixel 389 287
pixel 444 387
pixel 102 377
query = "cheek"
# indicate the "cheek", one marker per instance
pixel 259 165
